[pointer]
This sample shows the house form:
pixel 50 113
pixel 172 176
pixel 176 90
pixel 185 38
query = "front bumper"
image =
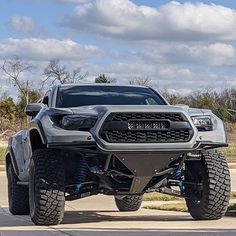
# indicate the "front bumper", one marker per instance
pixel 60 138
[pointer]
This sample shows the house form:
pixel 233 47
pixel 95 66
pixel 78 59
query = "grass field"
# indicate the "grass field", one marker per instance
pixel 181 207
pixel 164 197
pixel 230 152
pixel 159 197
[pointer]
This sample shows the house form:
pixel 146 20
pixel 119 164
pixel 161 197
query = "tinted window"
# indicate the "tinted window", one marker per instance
pixel 74 96
pixel 45 101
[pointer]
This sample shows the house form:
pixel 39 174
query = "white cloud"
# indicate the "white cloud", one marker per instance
pixel 123 19
pixel 207 54
pixel 134 69
pixel 47 49
pixel 4 89
pixel 61 1
pixel 217 54
pixel 25 25
pixel 72 1
pixel 178 78
pixel 214 54
pixel 179 46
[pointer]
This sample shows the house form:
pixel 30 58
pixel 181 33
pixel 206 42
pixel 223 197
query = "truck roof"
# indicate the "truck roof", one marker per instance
pixel 101 84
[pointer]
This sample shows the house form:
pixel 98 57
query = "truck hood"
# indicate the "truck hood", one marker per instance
pixel 97 110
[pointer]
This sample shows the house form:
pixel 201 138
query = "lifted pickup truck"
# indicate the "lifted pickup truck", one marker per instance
pixel 116 140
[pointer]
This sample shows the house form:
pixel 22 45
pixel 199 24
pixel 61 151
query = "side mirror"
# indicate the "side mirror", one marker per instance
pixel 33 109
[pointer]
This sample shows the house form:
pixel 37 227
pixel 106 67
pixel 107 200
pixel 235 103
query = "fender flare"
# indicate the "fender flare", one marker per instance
pixel 37 125
pixel 12 159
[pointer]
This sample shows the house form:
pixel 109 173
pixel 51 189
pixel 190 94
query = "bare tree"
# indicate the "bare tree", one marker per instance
pixel 55 72
pixel 3 132
pixel 144 81
pixel 14 69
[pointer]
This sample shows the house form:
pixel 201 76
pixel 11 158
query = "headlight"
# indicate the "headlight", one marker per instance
pixel 203 123
pixel 78 122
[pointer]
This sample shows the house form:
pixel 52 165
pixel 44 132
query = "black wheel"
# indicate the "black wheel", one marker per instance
pixel 210 198
pixel 18 196
pixel 47 187
pixel 128 202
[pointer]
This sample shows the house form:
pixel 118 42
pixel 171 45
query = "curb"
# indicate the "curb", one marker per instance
pixel 2 168
pixel 232 163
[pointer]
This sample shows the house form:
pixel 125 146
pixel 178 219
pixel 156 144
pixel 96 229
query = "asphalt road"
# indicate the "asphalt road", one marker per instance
pixel 98 216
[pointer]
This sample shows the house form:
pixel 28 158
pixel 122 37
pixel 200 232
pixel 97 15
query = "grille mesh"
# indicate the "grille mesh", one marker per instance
pixel 146 116
pixel 125 135
pixel 147 137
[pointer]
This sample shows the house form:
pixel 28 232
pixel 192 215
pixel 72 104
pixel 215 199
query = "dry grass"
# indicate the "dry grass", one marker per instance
pixel 2 153
pixel 233 195
pixel 231 129
pixel 164 197
pixel 181 207
pixel 230 152
pixel 159 197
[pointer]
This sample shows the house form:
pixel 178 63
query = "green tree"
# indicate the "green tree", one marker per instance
pixel 104 79
pixel 7 108
pixel 33 96
pixel 7 115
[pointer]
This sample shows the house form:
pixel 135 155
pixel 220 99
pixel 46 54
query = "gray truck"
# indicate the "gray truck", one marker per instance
pixel 119 140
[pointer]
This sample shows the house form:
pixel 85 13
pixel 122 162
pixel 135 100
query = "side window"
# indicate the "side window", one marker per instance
pixel 45 100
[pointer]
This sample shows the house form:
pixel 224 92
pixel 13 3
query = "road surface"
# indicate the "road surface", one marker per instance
pixel 98 216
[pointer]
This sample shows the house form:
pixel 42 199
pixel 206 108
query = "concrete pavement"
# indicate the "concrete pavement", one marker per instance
pixel 233 179
pixel 98 215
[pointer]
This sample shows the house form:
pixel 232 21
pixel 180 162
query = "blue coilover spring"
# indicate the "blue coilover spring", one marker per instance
pixel 179 176
pixel 81 172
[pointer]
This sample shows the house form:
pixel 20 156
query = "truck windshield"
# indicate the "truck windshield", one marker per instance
pixel 75 96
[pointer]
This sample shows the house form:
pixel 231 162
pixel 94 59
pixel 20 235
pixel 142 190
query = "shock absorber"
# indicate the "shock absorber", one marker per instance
pixel 81 172
pixel 179 176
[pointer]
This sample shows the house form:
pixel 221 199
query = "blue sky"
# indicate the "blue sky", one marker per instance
pixel 181 46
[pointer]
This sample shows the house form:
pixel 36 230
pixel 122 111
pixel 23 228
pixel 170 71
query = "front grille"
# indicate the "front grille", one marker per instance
pixel 146 128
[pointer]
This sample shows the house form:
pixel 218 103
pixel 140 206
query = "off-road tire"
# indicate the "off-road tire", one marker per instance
pixel 215 194
pixel 129 202
pixel 47 187
pixel 18 196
